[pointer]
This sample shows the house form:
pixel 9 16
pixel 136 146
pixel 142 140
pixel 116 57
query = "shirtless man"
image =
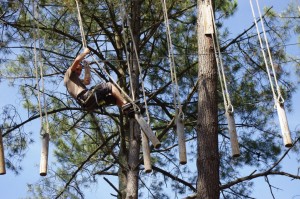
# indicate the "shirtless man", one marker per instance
pixel 104 92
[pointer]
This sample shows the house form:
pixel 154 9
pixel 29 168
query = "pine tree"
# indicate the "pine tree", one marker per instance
pixel 88 146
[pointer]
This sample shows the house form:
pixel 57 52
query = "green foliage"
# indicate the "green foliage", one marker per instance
pixel 227 7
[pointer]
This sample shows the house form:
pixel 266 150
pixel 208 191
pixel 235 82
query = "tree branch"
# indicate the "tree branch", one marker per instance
pixel 174 178
pixel 82 164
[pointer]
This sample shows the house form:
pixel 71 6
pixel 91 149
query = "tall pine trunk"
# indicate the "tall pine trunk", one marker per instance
pixel 135 132
pixel 207 121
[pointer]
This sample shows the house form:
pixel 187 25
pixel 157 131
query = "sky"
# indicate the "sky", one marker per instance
pixel 14 187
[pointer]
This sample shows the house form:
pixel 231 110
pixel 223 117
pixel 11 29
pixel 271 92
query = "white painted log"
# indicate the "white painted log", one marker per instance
pixel 147 130
pixel 286 135
pixel 181 140
pixel 2 159
pixel 146 153
pixel 235 150
pixel 44 155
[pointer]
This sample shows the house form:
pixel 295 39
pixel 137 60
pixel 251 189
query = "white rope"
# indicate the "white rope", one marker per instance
pixel 263 52
pixel 279 97
pixel 220 65
pixel 81 26
pixel 37 61
pixel 123 8
pixel 219 73
pixel 123 15
pixel 177 104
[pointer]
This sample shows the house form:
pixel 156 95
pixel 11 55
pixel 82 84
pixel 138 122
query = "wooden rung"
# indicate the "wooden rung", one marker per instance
pixel 2 159
pixel 286 135
pixel 181 140
pixel 44 155
pixel 146 153
pixel 147 130
pixel 235 150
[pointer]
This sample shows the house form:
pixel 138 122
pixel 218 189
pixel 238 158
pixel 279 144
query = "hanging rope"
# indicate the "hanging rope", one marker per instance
pixel 144 137
pixel 125 15
pixel 177 103
pixel 277 97
pixel 220 65
pixel 38 62
pixel 81 26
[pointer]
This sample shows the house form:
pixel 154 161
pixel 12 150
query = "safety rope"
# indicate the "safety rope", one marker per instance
pixel 37 61
pixel 177 103
pixel 279 97
pixel 220 65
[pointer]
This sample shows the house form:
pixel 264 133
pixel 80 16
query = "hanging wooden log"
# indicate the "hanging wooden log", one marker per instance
pixel 2 159
pixel 147 130
pixel 181 139
pixel 44 155
pixel 235 150
pixel 286 135
pixel 146 153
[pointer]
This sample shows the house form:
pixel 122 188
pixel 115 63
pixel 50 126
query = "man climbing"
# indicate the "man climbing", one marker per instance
pixel 104 93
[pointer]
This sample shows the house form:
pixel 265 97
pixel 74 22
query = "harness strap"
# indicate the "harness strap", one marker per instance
pixel 91 101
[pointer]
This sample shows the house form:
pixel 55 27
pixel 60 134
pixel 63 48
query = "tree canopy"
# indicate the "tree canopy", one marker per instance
pixel 87 146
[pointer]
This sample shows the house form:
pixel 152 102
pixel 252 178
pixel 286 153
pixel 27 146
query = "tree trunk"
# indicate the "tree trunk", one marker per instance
pixel 135 132
pixel 207 123
pixel 122 171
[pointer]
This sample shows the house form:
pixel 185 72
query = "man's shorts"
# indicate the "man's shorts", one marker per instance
pixel 97 95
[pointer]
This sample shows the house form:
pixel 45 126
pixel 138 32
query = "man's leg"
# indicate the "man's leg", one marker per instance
pixel 127 107
pixel 120 101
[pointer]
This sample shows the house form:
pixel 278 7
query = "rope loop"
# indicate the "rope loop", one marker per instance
pixel 229 108
pixel 181 115
pixel 280 99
